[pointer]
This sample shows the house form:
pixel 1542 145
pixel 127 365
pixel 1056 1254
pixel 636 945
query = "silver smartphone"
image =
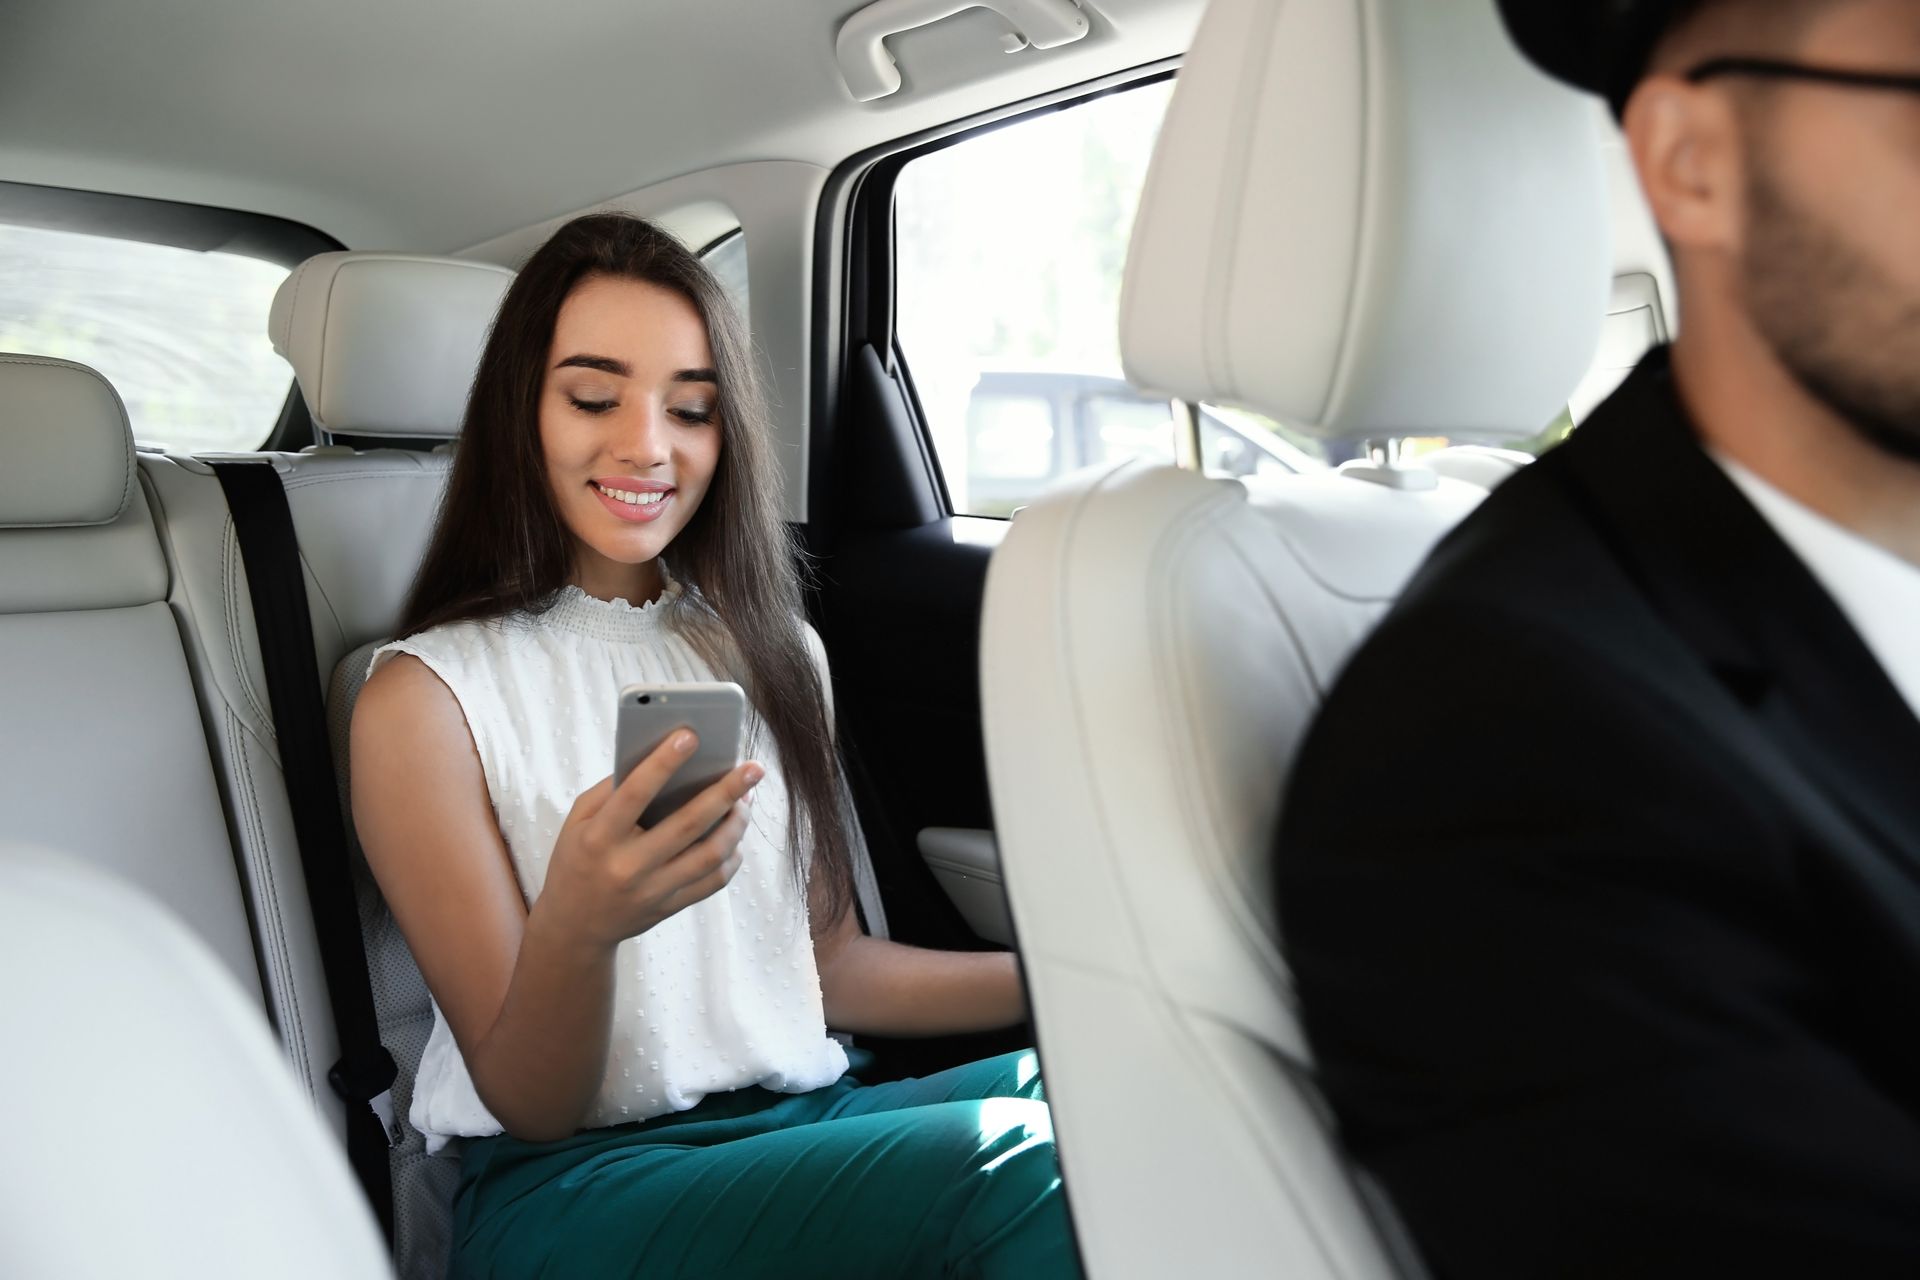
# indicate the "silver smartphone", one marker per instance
pixel 649 713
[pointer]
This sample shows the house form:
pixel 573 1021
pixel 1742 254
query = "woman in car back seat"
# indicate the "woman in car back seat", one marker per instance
pixel 630 1024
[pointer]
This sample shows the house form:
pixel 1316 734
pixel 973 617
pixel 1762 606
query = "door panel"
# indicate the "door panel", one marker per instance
pixel 986 286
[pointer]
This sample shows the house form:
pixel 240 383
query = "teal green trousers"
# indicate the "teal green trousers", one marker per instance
pixel 952 1175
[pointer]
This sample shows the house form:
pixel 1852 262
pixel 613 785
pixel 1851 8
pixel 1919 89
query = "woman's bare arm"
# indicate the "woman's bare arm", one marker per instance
pixel 875 987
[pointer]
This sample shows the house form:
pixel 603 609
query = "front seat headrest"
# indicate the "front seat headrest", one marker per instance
pixel 385 344
pixel 66 451
pixel 1369 218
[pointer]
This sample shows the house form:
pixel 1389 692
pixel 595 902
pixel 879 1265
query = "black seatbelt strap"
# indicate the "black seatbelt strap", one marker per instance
pixel 364 1075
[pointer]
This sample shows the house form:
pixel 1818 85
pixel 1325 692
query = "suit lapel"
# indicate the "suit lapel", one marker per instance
pixel 1745 603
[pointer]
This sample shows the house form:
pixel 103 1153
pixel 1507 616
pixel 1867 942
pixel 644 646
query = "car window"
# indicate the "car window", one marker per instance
pixel 1009 247
pixel 1009 250
pixel 1011 447
pixel 1126 426
pixel 1232 443
pixel 1536 444
pixel 180 333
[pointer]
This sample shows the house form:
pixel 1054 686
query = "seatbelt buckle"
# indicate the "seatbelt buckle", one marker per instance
pixel 382 1106
pixel 368 1080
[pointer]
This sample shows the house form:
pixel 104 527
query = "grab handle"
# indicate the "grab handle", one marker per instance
pixel 870 70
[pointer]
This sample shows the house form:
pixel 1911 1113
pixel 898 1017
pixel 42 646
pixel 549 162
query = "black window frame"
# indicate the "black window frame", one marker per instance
pixel 854 263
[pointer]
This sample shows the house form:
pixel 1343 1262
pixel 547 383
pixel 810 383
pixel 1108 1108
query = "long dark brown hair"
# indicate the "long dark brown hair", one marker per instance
pixel 500 547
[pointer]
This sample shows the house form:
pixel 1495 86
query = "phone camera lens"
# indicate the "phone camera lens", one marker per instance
pixel 645 698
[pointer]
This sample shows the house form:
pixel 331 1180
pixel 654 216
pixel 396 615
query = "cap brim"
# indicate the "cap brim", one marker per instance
pixel 1597 45
pixel 1559 37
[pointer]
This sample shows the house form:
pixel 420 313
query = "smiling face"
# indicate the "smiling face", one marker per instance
pixel 629 426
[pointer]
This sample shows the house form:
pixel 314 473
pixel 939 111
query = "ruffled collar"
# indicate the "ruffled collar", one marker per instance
pixel 575 611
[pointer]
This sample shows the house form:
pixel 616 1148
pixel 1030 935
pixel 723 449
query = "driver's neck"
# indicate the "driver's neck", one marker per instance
pixel 1750 409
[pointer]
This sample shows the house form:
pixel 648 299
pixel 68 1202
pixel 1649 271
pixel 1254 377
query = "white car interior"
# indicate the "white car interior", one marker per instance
pixel 1156 642
pixel 228 1172
pixel 1368 219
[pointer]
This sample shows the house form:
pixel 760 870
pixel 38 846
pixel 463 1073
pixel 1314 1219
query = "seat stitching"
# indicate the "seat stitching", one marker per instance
pixel 326 316
pixel 286 992
pixel 1184 534
pixel 1218 286
pixel 1287 539
pixel 1361 268
pixel 1310 1221
pixel 1221 871
pixel 293 307
pixel 305 482
pixel 237 651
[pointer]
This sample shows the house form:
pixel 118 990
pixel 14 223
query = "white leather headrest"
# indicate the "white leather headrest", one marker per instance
pixel 1369 218
pixel 385 344
pixel 66 451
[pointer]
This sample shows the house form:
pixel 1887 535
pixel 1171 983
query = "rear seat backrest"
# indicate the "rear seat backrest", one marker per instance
pixel 101 749
pixel 382 345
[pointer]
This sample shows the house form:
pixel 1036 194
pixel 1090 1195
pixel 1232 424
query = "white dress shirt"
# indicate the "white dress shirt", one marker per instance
pixel 1877 591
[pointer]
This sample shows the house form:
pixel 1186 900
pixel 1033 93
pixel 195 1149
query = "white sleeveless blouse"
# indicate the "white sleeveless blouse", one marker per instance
pixel 722 995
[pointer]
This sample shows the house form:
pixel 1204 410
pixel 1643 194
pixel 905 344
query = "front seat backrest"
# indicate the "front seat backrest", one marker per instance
pixel 1367 218
pixel 152 1127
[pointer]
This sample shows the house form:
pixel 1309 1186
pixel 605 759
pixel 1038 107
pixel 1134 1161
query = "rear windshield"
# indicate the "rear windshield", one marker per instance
pixel 181 333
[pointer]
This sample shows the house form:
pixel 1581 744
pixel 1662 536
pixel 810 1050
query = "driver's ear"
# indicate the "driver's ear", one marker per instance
pixel 1685 141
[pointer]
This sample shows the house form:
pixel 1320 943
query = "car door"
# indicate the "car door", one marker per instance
pixel 933 280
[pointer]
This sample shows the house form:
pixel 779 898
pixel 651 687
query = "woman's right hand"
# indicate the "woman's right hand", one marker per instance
pixel 609 879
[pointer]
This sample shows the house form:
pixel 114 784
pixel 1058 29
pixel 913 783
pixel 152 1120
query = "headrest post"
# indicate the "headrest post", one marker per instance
pixel 1186 436
pixel 1386 464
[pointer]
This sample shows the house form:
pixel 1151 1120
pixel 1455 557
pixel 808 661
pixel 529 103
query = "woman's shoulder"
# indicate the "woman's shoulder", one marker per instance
pixel 451 649
pixel 441 667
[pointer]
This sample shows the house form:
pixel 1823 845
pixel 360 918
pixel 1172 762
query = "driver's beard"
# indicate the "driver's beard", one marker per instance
pixel 1847 335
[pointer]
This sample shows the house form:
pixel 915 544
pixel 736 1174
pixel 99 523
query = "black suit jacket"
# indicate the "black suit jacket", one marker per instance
pixel 1600 877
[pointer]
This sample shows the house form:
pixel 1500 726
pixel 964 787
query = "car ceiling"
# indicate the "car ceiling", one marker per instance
pixel 435 125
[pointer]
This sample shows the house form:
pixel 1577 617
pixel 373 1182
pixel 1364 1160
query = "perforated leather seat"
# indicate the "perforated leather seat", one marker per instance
pixel 1370 218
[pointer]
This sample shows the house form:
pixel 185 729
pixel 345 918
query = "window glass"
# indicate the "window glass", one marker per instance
pixel 1536 444
pixel 1010 449
pixel 180 333
pixel 1127 426
pixel 1238 442
pixel 1009 251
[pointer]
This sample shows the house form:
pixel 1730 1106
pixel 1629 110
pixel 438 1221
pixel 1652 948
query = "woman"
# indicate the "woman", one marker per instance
pixel 631 1024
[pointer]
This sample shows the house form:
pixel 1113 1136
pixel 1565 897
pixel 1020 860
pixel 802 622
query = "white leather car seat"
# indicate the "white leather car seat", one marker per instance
pixel 101 750
pixel 152 1127
pixel 383 345
pixel 1366 217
